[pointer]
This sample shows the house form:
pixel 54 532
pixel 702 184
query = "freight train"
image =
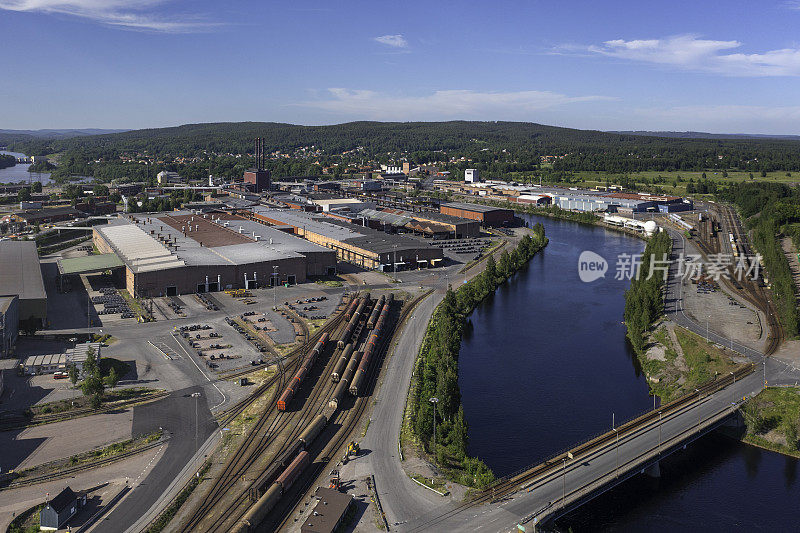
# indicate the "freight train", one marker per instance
pixel 301 373
pixel 369 350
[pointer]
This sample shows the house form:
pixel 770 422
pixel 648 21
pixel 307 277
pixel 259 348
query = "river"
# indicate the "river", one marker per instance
pixel 561 368
pixel 19 172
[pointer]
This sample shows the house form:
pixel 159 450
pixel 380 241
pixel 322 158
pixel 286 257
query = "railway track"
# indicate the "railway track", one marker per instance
pixel 269 426
pixel 348 420
pixel 510 484
pixel 71 471
pixel 752 291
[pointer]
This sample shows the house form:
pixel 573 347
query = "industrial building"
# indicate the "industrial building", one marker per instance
pixel 362 246
pixel 430 224
pixel 471 175
pixel 9 324
pixel 257 179
pixel 47 215
pixel 60 362
pixel 21 276
pixel 329 512
pixel 485 214
pixel 183 253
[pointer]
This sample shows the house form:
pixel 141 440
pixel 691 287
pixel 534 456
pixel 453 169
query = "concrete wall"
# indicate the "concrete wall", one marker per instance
pixel 9 322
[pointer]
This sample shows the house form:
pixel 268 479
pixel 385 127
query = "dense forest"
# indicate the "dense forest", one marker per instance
pixel 772 211
pixel 7 161
pixel 437 366
pixel 492 146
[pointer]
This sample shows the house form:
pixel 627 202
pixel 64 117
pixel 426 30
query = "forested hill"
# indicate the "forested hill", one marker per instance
pixel 523 142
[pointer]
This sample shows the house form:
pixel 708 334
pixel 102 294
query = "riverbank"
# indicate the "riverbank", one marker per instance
pixel 555 212
pixel 435 398
pixel 772 418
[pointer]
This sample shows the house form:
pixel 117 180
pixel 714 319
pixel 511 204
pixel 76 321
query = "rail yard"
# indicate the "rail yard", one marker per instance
pixel 316 402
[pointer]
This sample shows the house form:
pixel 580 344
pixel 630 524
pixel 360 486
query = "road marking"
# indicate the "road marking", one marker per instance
pixel 224 399
pixel 158 452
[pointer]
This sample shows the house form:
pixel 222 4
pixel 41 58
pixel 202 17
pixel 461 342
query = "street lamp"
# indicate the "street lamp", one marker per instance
pixel 195 395
pixel 659 433
pixel 733 387
pixel 394 264
pixel 708 339
pixel 275 285
pixel 434 401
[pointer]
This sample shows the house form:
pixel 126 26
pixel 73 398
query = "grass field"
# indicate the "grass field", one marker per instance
pixel 675 182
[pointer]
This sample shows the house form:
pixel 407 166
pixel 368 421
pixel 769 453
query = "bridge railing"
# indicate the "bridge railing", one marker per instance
pixel 631 425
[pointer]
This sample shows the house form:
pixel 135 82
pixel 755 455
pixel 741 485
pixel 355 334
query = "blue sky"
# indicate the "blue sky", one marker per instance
pixel 730 66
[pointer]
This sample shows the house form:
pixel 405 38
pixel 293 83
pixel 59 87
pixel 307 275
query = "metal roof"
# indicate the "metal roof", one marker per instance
pixel 139 250
pixel 89 264
pixel 20 273
pixel 477 208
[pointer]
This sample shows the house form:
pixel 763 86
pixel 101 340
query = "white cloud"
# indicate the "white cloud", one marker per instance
pixel 126 14
pixel 443 104
pixel 720 119
pixel 692 53
pixel 395 41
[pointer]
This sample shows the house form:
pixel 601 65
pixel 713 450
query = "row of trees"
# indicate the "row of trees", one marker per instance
pixel 437 366
pixel 644 300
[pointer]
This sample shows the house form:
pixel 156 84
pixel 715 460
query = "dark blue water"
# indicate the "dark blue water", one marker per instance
pixel 546 363
pixel 19 172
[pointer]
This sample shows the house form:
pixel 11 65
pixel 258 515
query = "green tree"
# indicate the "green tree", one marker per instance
pixel 73 374
pixel 112 379
pixel 91 363
pixel 24 194
pixel 100 190
pixel 37 187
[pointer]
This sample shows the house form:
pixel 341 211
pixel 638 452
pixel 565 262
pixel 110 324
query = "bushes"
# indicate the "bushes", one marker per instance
pixel 643 301
pixel 437 366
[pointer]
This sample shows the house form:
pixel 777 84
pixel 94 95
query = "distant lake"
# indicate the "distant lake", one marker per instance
pixel 19 172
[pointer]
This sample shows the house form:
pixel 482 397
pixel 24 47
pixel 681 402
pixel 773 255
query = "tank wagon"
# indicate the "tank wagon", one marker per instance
pixel 300 375
pixel 265 503
pixel 351 325
pixel 372 344
pixel 374 316
pixel 341 364
pixel 347 377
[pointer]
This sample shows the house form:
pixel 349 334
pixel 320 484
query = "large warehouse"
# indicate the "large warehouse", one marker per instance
pixel 485 214
pixel 362 246
pixel 21 276
pixel 182 253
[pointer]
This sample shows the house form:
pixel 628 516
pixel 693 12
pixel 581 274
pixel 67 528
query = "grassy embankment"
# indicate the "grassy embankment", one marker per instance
pixel 772 419
pixel 436 369
pixel 674 371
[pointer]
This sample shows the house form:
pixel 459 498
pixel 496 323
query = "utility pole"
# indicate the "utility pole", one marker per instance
pixel 275 285
pixel 434 401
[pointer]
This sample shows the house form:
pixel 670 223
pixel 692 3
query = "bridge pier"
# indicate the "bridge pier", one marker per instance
pixel 654 470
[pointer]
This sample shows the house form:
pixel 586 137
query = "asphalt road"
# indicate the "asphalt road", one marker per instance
pixel 401 498
pixel 176 414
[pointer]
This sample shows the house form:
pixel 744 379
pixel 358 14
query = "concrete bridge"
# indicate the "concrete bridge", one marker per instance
pixel 567 480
